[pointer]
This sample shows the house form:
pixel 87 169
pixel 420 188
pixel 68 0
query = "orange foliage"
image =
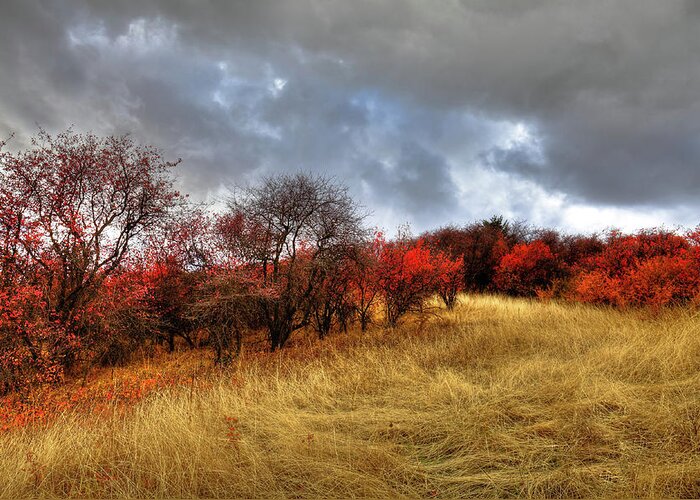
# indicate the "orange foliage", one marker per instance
pixel 651 268
pixel 408 273
pixel 527 268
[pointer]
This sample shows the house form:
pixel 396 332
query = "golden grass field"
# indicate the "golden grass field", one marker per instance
pixel 498 398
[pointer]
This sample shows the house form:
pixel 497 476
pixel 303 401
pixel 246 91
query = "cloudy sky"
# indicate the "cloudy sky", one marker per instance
pixel 575 114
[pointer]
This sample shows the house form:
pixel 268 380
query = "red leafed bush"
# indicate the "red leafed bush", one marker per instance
pixel 32 349
pixel 407 277
pixel 624 252
pixel 651 268
pixel 120 320
pixel 662 280
pixel 527 268
pixel 597 287
pixel 449 278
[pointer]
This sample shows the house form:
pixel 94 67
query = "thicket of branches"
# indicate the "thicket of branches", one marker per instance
pixel 101 257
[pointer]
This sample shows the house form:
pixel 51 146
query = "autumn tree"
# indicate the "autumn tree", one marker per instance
pixel 291 227
pixel 449 245
pixel 121 321
pixel 174 262
pixel 451 240
pixel 72 205
pixel 331 304
pixel 575 249
pixel 228 304
pixel 486 243
pixel 449 278
pixel 364 279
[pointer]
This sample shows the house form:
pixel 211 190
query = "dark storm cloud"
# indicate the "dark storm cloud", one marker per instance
pixel 431 111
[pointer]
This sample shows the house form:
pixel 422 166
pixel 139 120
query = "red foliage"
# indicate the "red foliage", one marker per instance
pixel 43 405
pixel 654 268
pixel 487 242
pixel 408 274
pixel 449 278
pixel 70 207
pixel 597 287
pixel 31 347
pixel 662 280
pixel 363 278
pixel 527 268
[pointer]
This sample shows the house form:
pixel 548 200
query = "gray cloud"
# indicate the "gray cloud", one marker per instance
pixel 431 112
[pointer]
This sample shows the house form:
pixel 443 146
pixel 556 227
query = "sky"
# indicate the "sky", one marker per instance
pixel 579 115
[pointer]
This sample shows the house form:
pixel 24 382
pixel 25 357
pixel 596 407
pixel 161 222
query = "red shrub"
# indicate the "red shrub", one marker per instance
pixel 406 274
pixel 661 281
pixel 653 268
pixel 527 268
pixel 449 276
pixel 597 287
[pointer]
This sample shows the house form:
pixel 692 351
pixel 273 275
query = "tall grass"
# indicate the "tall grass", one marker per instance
pixel 498 398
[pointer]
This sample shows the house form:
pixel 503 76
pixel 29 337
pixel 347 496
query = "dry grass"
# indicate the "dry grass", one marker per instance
pixel 500 398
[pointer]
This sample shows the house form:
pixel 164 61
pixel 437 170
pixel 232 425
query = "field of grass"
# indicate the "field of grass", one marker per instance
pixel 498 398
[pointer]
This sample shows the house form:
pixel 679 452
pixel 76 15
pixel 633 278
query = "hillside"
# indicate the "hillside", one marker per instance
pixel 501 397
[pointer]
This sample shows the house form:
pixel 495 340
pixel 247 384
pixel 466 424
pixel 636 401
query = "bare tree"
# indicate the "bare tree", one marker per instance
pixel 226 306
pixel 290 227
